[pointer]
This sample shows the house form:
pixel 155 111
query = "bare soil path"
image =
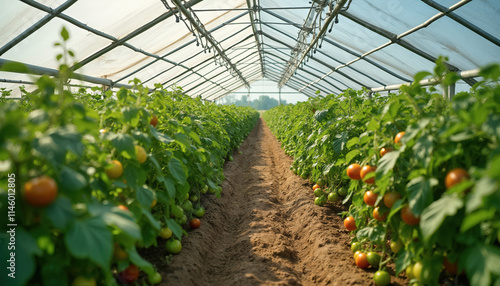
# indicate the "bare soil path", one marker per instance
pixel 264 230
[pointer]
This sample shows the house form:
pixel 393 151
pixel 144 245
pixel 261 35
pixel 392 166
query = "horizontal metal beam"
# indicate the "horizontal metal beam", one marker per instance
pixel 37 25
pixel 33 69
pixel 431 81
pixel 463 22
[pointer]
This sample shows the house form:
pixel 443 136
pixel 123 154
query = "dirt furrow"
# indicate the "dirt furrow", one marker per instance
pixel 264 230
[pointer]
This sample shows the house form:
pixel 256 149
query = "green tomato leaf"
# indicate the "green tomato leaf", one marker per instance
pixel 71 180
pixel 90 238
pixel 434 215
pixel 386 163
pixel 351 155
pixel 403 260
pixel 123 143
pixel 140 262
pixel 164 138
pixel 175 227
pixel 176 170
pixel 60 212
pixel 374 234
pixel 145 196
pixel 420 190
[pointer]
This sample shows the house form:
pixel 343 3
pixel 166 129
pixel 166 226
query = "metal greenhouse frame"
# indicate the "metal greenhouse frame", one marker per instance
pixel 214 48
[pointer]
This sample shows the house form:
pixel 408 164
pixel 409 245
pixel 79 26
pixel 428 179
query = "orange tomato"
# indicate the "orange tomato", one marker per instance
pixel 370 198
pixel 455 176
pixel 350 223
pixel 398 137
pixel 41 191
pixel 408 216
pixel 385 150
pixel 353 171
pixel 365 171
pixel 115 171
pixel 362 261
pixel 390 198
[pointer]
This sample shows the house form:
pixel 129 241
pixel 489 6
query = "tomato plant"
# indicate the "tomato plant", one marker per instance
pixel 416 138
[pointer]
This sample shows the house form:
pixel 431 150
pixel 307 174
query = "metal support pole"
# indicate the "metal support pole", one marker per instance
pixel 279 97
pixel 450 92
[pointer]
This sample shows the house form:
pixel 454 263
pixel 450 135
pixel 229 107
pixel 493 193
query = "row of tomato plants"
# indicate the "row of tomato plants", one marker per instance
pixel 420 174
pixel 92 176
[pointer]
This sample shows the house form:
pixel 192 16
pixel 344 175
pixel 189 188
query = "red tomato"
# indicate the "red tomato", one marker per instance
pixel 353 171
pixel 398 137
pixel 316 186
pixel 370 198
pixel 365 171
pixel 350 223
pixel 154 121
pixel 362 261
pixel 40 192
pixel 377 216
pixel 130 274
pixel 195 223
pixel 456 176
pixel 408 216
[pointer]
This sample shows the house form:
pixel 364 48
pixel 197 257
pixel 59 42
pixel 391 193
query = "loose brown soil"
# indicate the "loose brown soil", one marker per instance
pixel 264 230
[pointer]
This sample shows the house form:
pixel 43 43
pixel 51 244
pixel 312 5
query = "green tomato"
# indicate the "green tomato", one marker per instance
pixel 417 270
pixel 304 176
pixel 320 201
pixel 355 246
pixel 318 192
pixel 320 182
pixel 187 196
pixel 194 198
pixel 83 281
pixel 333 197
pixel 187 206
pixel 177 211
pixel 182 220
pixel 199 212
pixel 409 272
pixel 166 233
pixel 382 278
pixel 204 190
pixel 373 259
pixel 396 246
pixel 173 246
pixel 155 278
pixel 342 191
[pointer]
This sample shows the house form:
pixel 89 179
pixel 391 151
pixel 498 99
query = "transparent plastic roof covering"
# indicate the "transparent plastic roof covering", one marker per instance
pixel 211 48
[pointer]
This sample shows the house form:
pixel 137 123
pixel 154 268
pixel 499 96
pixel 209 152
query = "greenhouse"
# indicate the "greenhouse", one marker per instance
pixel 123 161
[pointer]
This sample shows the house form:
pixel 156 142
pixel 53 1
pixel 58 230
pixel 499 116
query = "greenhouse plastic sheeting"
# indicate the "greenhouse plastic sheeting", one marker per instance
pixel 375 43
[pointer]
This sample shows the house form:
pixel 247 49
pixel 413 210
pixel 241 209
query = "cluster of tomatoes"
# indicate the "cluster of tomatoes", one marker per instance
pixel 381 209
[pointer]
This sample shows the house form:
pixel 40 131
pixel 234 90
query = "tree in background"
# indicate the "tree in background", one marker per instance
pixel 264 102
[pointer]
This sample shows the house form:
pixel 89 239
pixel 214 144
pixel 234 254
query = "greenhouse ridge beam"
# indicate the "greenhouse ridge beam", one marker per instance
pixel 293 64
pixel 327 65
pixel 37 25
pixel 254 29
pixel 33 69
pixel 209 38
